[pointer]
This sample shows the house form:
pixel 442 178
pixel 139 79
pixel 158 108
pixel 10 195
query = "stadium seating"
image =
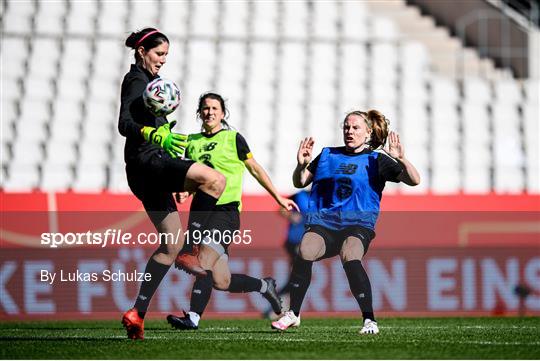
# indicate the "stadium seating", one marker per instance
pixel 288 69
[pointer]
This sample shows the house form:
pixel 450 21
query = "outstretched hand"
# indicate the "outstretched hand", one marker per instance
pixel 394 148
pixel 305 151
pixel 288 204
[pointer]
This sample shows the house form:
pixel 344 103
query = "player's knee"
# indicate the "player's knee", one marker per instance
pixel 207 258
pixel 219 183
pixel 222 282
pixel 215 184
pixel 308 253
pixel 352 253
pixel 350 256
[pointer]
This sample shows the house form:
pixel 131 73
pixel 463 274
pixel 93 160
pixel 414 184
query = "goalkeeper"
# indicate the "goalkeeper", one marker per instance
pixel 154 170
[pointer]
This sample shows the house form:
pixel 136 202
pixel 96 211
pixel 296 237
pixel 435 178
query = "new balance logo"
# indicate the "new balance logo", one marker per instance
pixel 346 168
pixel 142 297
pixel 197 292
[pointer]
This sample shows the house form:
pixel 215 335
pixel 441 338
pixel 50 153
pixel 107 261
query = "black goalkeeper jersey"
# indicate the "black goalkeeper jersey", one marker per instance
pixel 134 115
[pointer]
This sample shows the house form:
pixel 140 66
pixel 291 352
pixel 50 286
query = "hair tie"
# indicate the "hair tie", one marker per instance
pixel 144 37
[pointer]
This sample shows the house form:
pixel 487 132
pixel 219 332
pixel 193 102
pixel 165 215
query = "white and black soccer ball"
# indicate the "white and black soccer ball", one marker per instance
pixel 161 96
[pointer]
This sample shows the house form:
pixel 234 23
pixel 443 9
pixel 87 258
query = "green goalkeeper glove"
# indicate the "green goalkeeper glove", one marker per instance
pixel 173 143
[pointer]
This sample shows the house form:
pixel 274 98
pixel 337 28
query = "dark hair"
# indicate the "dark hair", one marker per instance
pixel 221 101
pixel 378 124
pixel 150 37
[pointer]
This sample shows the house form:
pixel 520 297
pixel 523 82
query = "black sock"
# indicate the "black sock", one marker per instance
pixel 299 283
pixel 157 271
pixel 202 206
pixel 200 293
pixel 360 287
pixel 244 283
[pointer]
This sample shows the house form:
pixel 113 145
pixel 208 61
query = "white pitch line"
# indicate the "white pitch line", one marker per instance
pixel 285 339
pixel 505 343
pixel 427 327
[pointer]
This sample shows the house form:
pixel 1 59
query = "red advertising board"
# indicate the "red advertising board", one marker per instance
pixel 455 255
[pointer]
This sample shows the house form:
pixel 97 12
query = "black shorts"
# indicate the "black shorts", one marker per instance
pixel 292 249
pixel 154 180
pixel 225 220
pixel 333 240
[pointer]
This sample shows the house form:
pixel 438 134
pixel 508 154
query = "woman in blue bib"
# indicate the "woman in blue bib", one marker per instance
pixel 347 184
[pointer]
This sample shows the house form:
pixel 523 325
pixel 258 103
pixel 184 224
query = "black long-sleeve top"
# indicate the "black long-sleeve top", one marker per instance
pixel 134 115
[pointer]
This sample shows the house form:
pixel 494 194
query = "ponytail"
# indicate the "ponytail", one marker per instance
pixel 379 128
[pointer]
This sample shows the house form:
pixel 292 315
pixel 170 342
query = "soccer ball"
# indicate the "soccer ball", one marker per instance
pixel 161 96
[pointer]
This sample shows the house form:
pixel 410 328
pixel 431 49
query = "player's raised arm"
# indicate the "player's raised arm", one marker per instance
pixel 302 176
pixel 410 175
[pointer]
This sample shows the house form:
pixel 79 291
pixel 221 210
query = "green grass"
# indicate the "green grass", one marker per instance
pixel 402 338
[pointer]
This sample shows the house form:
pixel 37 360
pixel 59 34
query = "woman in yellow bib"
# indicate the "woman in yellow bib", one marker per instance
pixel 226 151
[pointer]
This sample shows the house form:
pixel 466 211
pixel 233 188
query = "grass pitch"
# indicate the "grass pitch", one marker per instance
pixel 401 338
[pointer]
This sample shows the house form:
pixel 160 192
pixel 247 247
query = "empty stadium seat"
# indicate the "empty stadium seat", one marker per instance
pixel 383 28
pixel 353 16
pixel 56 177
pixel 324 125
pixel 9 115
pixel 325 19
pixel 38 89
pixel 445 125
pixel 291 75
pixel 476 123
pixel 508 179
pixel 322 73
pixel 477 179
pixel 49 18
pixel 412 91
pixel 5 152
pixel 23 177
pixel 235 17
pixel 294 19
pixel 288 69
pixel 204 18
pixel 384 60
pixel 118 182
pixel 414 61
pixel 444 91
pixel 15 66
pixel 445 180
pixel 141 15
pixel 476 90
pixel 174 17
pixel 265 19
pixel 11 90
pixel 32 130
pixel 26 154
pixel 111 19
pixel 44 58
pixel 81 17
pixel 18 16
pixel 90 178
pixel 414 125
pixel 507 91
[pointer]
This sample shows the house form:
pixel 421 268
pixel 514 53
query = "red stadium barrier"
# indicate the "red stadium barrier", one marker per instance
pixel 432 256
